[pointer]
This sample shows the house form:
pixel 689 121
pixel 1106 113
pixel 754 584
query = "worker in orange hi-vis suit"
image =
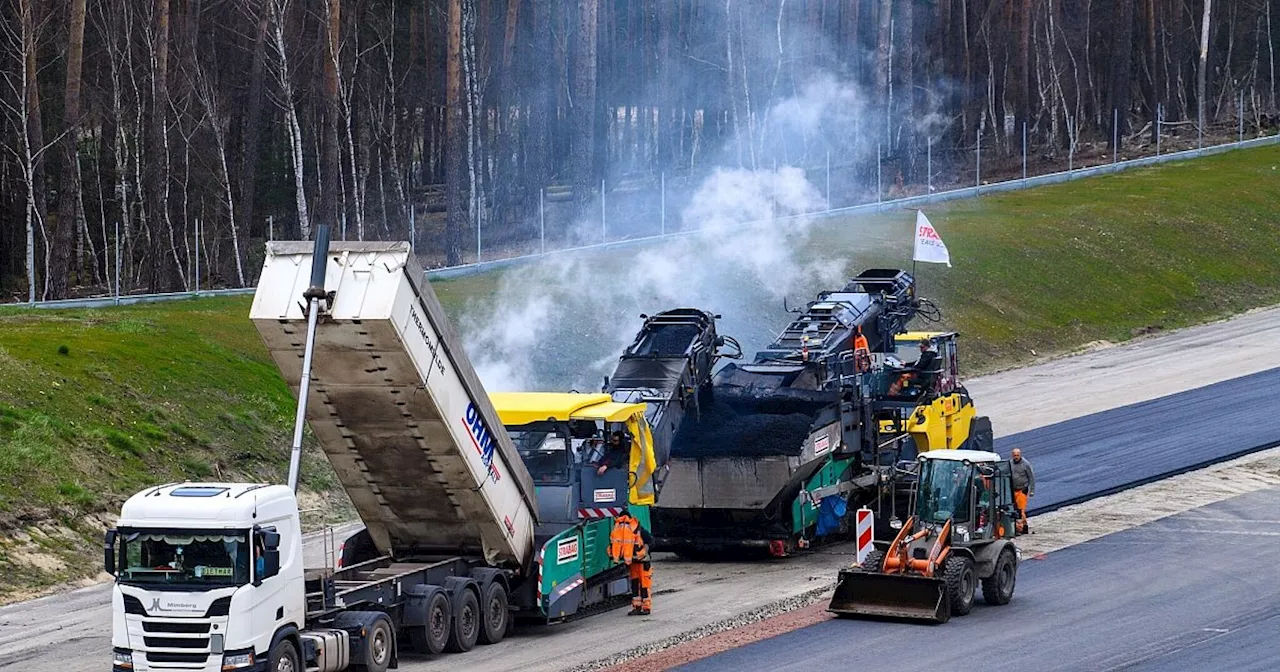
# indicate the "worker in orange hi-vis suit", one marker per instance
pixel 629 543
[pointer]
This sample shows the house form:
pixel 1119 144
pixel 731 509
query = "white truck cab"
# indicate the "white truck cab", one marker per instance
pixel 209 576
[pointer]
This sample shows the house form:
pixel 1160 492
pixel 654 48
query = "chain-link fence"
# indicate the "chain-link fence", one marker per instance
pixel 639 210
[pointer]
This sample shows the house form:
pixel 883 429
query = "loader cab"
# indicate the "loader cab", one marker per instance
pixel 970 488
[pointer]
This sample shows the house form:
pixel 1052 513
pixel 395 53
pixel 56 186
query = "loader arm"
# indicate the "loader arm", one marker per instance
pixel 938 553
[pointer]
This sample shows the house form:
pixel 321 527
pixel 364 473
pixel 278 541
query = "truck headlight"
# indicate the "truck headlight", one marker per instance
pixel 122 659
pixel 237 660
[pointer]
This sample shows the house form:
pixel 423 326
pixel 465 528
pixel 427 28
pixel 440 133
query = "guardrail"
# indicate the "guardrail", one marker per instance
pixel 863 208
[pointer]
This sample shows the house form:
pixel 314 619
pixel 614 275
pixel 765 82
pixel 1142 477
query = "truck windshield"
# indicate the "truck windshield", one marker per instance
pixel 944 491
pixel 189 558
pixel 544 450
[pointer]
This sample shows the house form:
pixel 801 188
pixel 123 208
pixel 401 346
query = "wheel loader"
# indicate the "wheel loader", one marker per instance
pixel 960 535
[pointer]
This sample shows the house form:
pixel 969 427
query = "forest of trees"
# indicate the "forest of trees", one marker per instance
pixel 143 122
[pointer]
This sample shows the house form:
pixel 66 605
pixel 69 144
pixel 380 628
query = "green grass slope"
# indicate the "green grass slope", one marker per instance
pixel 95 404
pixel 1110 258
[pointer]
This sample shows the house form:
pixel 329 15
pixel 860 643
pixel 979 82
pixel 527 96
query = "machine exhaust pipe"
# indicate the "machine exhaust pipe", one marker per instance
pixel 313 296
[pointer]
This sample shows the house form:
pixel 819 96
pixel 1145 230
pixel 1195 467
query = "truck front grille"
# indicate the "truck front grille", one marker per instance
pixel 176 643
pixel 177 628
pixel 185 658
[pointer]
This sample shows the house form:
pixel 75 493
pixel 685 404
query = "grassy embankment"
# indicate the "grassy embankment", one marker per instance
pixel 96 404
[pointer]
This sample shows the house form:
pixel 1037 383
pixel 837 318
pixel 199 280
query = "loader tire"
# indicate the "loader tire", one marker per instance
pixel 961 580
pixel 874 561
pixel 998 588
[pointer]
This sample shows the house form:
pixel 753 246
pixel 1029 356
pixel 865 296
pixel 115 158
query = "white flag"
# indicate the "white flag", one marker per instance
pixel 929 245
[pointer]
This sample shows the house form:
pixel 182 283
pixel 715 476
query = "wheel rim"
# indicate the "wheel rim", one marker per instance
pixel 966 586
pixel 1006 579
pixel 495 614
pixel 379 645
pixel 438 630
pixel 437 626
pixel 285 664
pixel 468 620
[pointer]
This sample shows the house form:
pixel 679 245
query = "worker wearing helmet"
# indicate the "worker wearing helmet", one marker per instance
pixel 629 543
pixel 1024 486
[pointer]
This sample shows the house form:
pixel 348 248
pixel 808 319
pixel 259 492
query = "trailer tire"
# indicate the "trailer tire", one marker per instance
pixel 998 588
pixel 494 613
pixel 961 581
pixel 284 657
pixel 466 623
pixel 379 646
pixel 431 638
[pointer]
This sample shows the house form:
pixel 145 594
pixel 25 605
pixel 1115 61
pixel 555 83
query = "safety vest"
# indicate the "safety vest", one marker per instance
pixel 861 353
pixel 625 541
pixel 621 541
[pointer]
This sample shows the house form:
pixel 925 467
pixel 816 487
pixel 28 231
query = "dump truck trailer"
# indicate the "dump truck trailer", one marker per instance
pixel 210 576
pixel 788 445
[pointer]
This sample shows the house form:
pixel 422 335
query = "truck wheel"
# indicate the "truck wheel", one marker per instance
pixel 283 658
pixel 430 639
pixel 495 614
pixel 466 624
pixel 998 588
pixel 378 643
pixel 960 578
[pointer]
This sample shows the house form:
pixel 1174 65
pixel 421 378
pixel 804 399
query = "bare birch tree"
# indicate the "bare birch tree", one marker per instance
pixel 284 80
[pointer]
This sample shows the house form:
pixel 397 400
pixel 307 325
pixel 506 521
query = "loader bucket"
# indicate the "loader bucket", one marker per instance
pixel 862 593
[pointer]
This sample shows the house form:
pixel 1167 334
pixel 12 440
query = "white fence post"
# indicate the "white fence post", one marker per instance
pixel 662 201
pixel 879 175
pixel 1024 155
pixel 117 263
pixel 977 163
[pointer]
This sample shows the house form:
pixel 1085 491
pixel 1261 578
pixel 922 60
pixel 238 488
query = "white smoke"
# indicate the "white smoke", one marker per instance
pixel 564 320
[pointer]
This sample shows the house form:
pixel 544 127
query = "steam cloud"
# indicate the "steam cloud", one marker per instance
pixel 562 323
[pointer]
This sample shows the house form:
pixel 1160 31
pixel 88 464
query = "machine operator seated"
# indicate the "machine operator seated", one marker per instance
pixel 615 453
pixel 917 377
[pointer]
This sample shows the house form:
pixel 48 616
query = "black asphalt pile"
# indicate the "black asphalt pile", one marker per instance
pixel 671 341
pixel 723 432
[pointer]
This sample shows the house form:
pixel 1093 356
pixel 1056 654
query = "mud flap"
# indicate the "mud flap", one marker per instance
pixel 862 593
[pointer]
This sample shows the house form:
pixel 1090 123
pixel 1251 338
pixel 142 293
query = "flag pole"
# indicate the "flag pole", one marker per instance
pixel 913 251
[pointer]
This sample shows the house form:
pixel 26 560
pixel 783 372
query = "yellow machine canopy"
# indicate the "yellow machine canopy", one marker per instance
pixel 517 409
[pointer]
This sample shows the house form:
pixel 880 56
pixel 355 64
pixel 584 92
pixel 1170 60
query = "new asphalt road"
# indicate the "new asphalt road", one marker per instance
pixel 1108 451
pixel 1195 591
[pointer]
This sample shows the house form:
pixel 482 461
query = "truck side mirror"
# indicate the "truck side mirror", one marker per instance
pixel 109 552
pixel 270 545
pixel 272 562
